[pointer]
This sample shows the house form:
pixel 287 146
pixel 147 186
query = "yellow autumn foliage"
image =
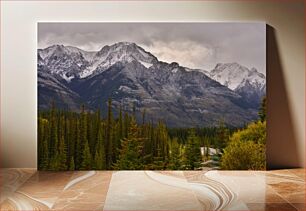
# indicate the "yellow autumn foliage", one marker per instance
pixel 246 149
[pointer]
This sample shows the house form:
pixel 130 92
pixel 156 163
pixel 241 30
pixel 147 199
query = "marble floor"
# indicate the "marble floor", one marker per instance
pixel 28 189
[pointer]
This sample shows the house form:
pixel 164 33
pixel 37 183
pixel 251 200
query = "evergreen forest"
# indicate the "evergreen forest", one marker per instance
pixel 87 140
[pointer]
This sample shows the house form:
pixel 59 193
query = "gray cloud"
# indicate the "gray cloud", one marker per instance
pixel 195 45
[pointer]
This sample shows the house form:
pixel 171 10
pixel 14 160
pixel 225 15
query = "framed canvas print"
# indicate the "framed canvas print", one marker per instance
pixel 151 96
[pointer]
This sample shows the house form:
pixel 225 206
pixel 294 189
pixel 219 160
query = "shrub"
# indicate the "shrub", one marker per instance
pixel 246 150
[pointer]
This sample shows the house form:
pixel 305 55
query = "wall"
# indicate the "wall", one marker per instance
pixel 285 63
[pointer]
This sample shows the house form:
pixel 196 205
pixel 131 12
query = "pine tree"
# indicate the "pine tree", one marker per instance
pixel 193 157
pixel 61 155
pixel 158 161
pixel 99 161
pixel 115 141
pixel 77 145
pixel 109 144
pixel 54 163
pixel 71 165
pixel 162 140
pixel 83 142
pixel 126 125
pixel 43 138
pixel 86 158
pixel 83 126
pixel 120 121
pixel 91 132
pixel 222 135
pixel 130 154
pixel 67 131
pixel 53 132
pixel 263 109
pixel 44 161
pixel 72 134
pixel 175 156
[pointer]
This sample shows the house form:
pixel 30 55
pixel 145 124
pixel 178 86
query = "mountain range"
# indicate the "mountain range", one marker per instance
pixel 133 77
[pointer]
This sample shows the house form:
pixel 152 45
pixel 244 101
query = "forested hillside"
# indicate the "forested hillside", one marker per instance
pixel 79 141
pixel 86 140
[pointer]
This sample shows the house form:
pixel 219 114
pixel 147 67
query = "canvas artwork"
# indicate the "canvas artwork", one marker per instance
pixel 151 96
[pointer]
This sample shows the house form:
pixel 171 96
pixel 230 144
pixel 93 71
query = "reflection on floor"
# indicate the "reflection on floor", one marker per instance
pixel 28 189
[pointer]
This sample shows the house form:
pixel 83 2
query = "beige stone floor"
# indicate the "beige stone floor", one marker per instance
pixel 28 189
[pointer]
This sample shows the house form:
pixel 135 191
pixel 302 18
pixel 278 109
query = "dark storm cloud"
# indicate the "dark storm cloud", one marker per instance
pixel 195 45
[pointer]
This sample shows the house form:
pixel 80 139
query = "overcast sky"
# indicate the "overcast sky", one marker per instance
pixel 194 45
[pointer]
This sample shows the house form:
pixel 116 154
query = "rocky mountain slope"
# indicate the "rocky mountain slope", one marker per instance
pixel 128 74
pixel 249 83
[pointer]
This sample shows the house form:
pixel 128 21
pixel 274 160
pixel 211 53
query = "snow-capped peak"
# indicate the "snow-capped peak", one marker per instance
pixel 234 75
pixel 64 61
pixel 124 52
pixel 71 62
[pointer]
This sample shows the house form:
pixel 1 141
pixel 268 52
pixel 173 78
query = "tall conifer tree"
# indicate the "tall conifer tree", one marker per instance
pixel 193 157
pixel 109 144
pixel 86 158
pixel 130 155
